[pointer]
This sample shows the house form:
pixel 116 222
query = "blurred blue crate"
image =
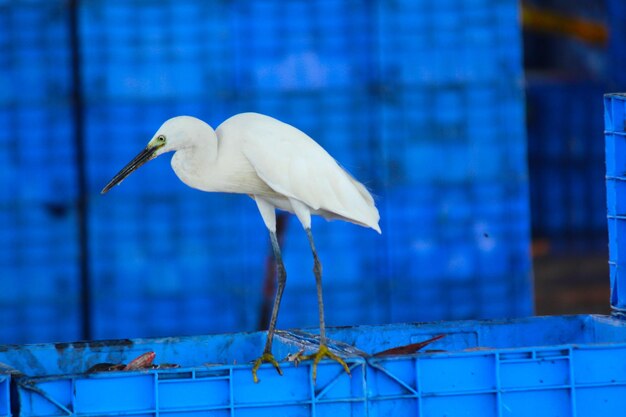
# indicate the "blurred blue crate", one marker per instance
pixel 302 46
pixel 344 303
pixel 445 123
pixel 452 237
pixel 428 44
pixel 567 366
pixel 194 243
pixel 132 50
pixel 43 249
pixel 48 320
pixel 422 146
pixel 616 54
pixel 566 162
pixel 34 35
pixel 350 281
pixel 38 145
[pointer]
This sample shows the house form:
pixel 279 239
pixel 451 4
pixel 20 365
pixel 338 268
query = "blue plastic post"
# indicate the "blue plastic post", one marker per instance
pixel 615 143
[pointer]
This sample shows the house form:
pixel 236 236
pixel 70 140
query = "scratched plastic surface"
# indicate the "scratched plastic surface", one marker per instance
pixel 572 366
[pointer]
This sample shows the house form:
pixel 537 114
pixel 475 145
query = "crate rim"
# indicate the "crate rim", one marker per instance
pixel 352 358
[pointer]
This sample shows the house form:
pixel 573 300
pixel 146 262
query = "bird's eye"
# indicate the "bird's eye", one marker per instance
pixel 161 139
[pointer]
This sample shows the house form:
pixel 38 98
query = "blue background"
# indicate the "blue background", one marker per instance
pixel 422 101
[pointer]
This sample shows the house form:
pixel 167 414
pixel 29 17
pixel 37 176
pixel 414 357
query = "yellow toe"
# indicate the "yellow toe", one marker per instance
pixel 266 357
pixel 324 352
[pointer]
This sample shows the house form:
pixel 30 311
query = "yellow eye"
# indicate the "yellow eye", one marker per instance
pixel 161 139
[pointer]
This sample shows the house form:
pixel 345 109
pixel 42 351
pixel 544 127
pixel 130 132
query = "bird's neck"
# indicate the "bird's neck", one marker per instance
pixel 193 164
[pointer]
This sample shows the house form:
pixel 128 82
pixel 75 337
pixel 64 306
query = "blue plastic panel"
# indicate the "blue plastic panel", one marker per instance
pixel 448 42
pixel 5 399
pixel 303 47
pixel 615 140
pixel 38 232
pixel 566 366
pixel 166 51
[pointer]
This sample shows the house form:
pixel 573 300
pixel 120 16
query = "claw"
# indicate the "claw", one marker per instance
pixel 267 357
pixel 324 352
pixel 295 357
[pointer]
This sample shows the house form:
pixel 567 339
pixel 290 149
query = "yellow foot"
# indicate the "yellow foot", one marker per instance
pixel 267 357
pixel 323 352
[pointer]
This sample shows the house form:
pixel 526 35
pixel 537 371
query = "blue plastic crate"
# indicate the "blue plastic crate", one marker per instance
pixel 38 242
pixel 433 135
pixel 5 398
pixel 189 257
pixel 302 46
pixel 566 366
pixel 139 52
pixel 38 151
pixel 615 140
pixel 566 162
pixel 33 36
pixel 448 43
pixel 453 243
pixel 157 248
pixel 616 54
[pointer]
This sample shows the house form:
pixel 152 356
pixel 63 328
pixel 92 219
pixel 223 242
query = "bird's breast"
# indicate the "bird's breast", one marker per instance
pixel 228 175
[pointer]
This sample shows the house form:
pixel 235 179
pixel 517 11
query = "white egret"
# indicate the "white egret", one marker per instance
pixel 277 165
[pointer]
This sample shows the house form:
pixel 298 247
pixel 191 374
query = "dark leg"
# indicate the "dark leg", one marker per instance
pixel 317 270
pixel 269 281
pixel 323 350
pixel 281 276
pixel 282 280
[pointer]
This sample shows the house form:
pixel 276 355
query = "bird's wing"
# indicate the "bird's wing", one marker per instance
pixel 295 166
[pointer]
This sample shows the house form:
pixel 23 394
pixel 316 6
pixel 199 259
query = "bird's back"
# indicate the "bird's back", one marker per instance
pixel 295 166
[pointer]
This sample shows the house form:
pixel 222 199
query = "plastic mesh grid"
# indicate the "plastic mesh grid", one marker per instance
pixel 38 237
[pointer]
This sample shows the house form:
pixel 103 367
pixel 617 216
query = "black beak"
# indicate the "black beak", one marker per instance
pixel 143 157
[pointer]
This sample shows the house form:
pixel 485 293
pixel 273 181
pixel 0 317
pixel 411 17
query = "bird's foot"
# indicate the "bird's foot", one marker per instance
pixel 324 352
pixel 266 357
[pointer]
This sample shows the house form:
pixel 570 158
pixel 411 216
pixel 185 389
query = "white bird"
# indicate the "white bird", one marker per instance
pixel 277 165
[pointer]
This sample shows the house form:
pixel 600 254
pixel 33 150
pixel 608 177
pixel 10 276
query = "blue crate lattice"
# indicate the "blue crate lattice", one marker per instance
pixel 567 366
pixel 615 140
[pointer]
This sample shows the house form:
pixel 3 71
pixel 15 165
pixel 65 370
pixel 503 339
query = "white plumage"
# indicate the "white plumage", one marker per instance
pixel 277 165
pixel 270 160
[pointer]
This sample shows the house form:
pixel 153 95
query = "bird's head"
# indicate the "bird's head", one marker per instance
pixel 175 134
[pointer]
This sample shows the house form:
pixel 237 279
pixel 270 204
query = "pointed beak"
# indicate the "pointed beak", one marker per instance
pixel 143 157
